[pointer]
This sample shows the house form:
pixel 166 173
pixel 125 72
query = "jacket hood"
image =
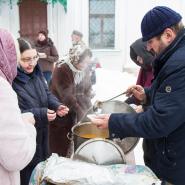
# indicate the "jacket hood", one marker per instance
pixel 138 48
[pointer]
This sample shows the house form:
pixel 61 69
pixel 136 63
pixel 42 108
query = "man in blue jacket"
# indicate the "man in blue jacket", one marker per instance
pixel 162 125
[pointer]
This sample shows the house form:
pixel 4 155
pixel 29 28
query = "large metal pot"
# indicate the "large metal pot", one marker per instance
pixel 85 131
pixel 126 144
pixel 114 107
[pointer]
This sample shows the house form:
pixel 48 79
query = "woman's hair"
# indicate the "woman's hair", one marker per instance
pixel 17 49
pixel 24 45
pixel 45 33
pixel 78 53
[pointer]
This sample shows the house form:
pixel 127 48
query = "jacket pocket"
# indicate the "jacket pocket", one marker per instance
pixel 168 155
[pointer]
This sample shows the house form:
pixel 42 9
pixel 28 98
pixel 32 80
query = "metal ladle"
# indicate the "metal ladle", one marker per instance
pixel 98 104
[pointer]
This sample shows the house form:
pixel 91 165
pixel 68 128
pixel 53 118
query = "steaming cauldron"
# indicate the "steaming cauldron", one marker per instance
pixel 85 130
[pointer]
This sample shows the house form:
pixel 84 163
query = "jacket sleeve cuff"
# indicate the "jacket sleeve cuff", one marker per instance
pixel 147 92
pixel 114 127
pixel 40 115
pixel 56 105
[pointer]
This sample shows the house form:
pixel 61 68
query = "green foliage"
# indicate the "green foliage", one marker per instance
pixel 12 2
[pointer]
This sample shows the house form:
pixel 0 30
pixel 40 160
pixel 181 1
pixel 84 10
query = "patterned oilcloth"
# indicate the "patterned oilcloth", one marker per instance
pixel 139 173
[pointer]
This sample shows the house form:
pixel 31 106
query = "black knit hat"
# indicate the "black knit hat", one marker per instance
pixel 157 20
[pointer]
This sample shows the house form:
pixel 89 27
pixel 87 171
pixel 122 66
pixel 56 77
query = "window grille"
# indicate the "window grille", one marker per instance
pixel 102 24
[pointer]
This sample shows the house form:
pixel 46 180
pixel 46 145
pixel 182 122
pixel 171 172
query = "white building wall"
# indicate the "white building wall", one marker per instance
pixel 135 12
pixel 9 18
pixel 129 14
pixel 61 24
pixel 77 17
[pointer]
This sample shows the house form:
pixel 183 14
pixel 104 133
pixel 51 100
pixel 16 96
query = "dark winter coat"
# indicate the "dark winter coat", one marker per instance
pixel 34 96
pixel 76 97
pixel 47 64
pixel 163 124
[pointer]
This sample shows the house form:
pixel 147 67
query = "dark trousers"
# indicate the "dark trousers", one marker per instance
pixel 166 183
pixel 26 174
pixel 58 141
pixel 47 76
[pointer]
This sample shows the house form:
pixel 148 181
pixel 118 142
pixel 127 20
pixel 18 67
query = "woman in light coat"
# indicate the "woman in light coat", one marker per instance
pixel 17 134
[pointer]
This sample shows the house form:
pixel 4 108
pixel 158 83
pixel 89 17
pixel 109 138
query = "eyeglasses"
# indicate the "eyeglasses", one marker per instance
pixel 29 60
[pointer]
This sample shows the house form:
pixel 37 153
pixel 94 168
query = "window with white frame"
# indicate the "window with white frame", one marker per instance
pixel 102 24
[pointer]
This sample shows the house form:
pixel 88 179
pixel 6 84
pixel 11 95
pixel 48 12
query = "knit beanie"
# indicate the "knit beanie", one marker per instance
pixel 157 20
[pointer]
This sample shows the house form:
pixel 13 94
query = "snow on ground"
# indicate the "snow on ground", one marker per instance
pixel 111 83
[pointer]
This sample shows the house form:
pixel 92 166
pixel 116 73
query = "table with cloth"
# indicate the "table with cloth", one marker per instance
pixel 65 171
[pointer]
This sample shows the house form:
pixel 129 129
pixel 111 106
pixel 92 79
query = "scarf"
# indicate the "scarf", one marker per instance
pixel 8 56
pixel 77 74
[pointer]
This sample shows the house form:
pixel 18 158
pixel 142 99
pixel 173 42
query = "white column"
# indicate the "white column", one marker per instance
pixel 9 18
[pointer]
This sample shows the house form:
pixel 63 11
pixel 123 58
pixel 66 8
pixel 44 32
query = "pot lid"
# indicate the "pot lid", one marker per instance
pixel 100 151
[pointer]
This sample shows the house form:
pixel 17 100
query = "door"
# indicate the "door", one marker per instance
pixel 33 18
